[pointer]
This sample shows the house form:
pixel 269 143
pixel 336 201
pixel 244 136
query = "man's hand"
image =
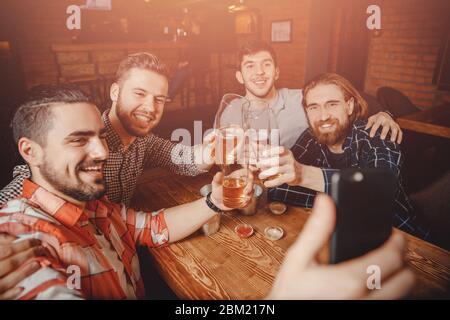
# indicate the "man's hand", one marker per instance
pixel 198 211
pixel 279 163
pixel 217 190
pixel 382 119
pixel 13 256
pixel 279 166
pixel 301 276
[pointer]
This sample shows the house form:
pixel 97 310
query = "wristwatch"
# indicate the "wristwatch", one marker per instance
pixel 211 205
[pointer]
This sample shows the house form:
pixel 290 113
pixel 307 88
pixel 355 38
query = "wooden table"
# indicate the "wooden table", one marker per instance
pixel 223 266
pixel 434 121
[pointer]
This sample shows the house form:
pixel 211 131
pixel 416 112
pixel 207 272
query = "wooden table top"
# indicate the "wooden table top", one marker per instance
pixel 223 266
pixel 434 121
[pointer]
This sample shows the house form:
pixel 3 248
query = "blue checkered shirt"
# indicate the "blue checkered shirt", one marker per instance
pixel 361 151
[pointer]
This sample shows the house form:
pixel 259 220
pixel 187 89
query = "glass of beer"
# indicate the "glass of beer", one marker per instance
pixel 262 131
pixel 230 149
pixel 236 179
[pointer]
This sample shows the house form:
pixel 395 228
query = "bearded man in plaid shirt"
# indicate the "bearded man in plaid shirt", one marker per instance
pixel 138 97
pixel 62 138
pixel 90 242
pixel 337 138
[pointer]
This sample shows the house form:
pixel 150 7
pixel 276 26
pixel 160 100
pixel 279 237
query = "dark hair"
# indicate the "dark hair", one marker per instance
pixel 141 60
pixel 33 117
pixel 360 108
pixel 255 47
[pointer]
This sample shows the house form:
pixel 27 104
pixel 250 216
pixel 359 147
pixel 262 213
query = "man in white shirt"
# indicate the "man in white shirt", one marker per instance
pixel 258 71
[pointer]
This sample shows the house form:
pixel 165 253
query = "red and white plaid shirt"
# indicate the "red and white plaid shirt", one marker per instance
pixel 99 241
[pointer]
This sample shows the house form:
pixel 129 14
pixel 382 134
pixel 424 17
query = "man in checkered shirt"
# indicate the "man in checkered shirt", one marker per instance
pixel 138 96
pixel 90 243
pixel 336 139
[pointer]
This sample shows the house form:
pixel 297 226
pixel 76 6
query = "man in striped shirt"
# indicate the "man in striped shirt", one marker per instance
pixel 90 242
pixel 337 138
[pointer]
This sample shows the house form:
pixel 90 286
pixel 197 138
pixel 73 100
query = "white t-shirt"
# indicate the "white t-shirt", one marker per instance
pixel 290 115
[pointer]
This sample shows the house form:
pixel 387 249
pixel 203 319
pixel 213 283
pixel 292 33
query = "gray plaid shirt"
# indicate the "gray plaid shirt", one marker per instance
pixel 123 167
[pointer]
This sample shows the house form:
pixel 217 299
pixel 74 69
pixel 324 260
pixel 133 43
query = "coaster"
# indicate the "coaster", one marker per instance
pixel 244 230
pixel 273 233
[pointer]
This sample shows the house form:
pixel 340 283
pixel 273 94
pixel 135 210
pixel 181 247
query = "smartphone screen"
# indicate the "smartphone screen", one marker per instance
pixel 364 211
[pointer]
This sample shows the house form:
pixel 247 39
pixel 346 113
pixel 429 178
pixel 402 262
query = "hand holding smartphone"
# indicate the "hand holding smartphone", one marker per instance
pixel 364 211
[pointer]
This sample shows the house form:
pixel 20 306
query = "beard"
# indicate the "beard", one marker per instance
pixel 331 138
pixel 79 191
pixel 127 122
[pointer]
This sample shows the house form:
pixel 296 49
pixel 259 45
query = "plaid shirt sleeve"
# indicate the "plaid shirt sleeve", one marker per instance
pixel 383 154
pixel 387 154
pixel 175 157
pixel 14 188
pixel 147 229
pixel 295 196
pixel 327 174
pixel 378 154
pixel 49 282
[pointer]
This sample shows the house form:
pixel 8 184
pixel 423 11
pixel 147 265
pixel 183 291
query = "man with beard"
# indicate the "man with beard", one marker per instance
pixel 337 138
pixel 138 96
pixel 91 242
pixel 258 70
pixel 62 138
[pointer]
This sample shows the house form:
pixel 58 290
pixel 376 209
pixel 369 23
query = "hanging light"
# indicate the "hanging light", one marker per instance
pixel 237 6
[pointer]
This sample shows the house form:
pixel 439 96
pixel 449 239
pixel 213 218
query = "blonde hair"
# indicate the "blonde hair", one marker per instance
pixel 141 60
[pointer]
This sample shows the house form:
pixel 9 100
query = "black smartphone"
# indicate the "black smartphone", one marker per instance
pixel 364 211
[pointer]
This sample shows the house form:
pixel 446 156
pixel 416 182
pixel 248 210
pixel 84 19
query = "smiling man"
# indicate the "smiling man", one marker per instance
pixel 59 133
pixel 138 96
pixel 337 138
pixel 258 70
pixel 61 136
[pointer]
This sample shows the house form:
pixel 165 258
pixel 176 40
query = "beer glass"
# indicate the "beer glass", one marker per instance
pixel 262 130
pixel 230 149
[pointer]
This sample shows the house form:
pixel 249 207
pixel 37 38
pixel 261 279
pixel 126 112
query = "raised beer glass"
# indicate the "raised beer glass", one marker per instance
pixel 230 150
pixel 262 131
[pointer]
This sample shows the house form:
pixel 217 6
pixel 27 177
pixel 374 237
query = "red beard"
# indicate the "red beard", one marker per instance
pixel 334 137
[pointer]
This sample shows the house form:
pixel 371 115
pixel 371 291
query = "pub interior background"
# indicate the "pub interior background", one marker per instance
pixel 410 53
